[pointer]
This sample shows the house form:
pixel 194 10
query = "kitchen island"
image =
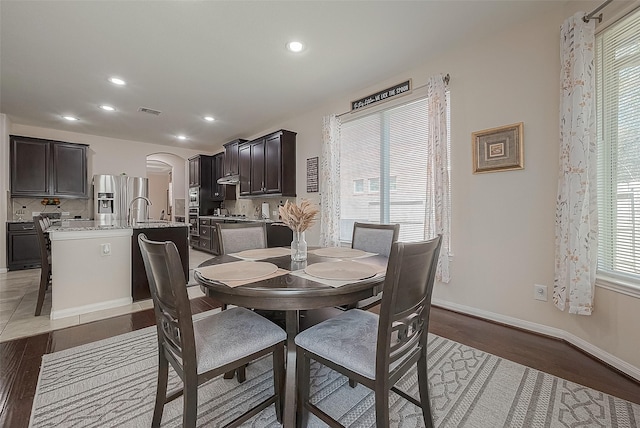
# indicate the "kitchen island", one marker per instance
pixel 95 267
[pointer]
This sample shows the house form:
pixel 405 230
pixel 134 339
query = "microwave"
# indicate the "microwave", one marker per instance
pixel 194 197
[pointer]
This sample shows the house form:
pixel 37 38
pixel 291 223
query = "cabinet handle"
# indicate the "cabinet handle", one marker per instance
pixel 28 228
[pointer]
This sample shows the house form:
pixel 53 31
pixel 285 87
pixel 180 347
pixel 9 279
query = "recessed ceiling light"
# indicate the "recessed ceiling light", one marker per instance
pixel 209 118
pixel 70 118
pixel 107 108
pixel 117 81
pixel 181 137
pixel 295 47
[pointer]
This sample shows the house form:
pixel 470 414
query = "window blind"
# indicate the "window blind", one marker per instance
pixel 618 124
pixel 383 170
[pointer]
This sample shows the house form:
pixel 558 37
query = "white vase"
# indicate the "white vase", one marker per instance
pixel 298 247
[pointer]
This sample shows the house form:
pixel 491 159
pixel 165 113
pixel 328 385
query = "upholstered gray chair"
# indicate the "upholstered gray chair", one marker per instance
pixel 377 351
pixel 374 238
pixel 42 224
pixel 201 350
pixel 237 237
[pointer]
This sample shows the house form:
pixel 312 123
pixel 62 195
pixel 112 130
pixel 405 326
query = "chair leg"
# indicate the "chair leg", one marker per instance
pixel 302 380
pixel 278 380
pixel 190 403
pixel 382 406
pixel 161 389
pixel 353 383
pixel 423 385
pixel 44 281
pixel 242 373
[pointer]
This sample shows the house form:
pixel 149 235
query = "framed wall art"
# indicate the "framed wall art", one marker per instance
pixel 498 149
pixel 312 175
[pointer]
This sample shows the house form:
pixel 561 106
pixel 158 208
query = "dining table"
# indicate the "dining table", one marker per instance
pixel 270 280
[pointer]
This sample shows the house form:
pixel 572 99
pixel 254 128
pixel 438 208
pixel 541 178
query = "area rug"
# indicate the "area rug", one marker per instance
pixel 111 383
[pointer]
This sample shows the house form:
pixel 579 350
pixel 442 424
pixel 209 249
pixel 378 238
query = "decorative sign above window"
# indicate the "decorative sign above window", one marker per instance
pixel 385 95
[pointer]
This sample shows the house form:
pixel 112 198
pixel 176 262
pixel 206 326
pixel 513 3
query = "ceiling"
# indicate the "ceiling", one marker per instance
pixel 226 59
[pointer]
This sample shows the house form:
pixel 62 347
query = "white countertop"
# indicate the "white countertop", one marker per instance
pixel 87 225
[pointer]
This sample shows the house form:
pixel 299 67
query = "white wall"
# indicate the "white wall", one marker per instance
pixel 503 223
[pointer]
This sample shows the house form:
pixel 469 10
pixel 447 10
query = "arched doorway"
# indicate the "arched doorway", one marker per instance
pixel 167 191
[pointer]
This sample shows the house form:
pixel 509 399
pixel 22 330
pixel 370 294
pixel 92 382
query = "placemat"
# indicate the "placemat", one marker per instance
pixel 341 252
pixel 237 271
pixel 262 253
pixel 345 270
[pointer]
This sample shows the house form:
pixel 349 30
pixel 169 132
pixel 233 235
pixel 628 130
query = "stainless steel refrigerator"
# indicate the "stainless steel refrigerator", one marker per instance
pixel 113 196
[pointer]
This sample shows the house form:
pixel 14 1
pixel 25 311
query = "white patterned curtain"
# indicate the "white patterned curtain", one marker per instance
pixel 438 204
pixel 576 205
pixel 330 182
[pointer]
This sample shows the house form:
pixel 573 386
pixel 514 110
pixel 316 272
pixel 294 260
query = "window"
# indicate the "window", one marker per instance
pixel 358 186
pixel 391 147
pixel 374 185
pixel 618 123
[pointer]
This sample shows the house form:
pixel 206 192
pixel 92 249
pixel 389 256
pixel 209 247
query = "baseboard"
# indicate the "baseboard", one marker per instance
pixel 81 310
pixel 583 345
pixel 4 270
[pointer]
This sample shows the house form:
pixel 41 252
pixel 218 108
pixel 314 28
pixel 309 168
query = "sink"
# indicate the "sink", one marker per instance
pixel 151 222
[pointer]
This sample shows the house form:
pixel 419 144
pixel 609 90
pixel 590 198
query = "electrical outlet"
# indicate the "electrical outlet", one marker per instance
pixel 105 249
pixel 540 292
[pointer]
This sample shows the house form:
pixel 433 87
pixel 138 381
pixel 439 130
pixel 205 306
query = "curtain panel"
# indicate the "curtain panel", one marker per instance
pixel 438 203
pixel 576 204
pixel 330 182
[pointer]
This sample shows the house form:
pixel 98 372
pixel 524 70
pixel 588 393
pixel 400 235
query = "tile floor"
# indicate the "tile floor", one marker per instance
pixel 19 292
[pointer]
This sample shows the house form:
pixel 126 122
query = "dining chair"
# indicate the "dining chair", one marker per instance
pixel 374 238
pixel 377 350
pixel 237 237
pixel 201 350
pixel 45 261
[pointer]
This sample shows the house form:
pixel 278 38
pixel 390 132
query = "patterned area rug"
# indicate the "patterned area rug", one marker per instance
pixel 111 383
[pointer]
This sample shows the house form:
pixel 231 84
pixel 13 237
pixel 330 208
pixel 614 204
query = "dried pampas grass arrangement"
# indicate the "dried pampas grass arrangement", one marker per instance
pixel 299 218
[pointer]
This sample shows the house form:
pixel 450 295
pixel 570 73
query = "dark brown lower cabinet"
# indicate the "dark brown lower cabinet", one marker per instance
pixel 23 249
pixel 139 282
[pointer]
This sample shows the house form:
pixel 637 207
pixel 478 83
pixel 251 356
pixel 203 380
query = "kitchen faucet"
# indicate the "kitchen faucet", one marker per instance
pixel 129 216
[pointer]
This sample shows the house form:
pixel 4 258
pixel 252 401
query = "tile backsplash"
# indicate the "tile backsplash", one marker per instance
pixel 23 208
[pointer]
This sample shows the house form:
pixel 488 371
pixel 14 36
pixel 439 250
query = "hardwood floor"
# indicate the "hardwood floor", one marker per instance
pixel 20 359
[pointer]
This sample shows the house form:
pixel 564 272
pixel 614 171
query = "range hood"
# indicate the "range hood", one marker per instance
pixel 229 179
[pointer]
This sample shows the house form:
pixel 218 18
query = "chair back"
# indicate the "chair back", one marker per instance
pixel 41 227
pixel 406 304
pixel 375 238
pixel 170 300
pixel 236 237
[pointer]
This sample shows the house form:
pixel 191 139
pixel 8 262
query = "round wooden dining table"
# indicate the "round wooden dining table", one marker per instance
pixel 292 294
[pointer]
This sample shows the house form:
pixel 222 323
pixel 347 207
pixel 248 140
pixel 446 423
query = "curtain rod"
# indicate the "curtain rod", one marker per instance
pixel 591 16
pixel 445 79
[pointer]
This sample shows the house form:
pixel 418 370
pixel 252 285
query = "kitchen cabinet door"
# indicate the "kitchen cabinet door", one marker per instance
pixel 30 163
pixel 244 168
pixel 23 248
pixel 231 158
pixel 217 170
pixel 194 171
pixel 273 166
pixel 69 170
pixel 257 167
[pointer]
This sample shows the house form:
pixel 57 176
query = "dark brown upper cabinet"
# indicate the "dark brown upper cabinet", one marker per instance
pixel 45 168
pixel 267 165
pixel 231 157
pixel 217 170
